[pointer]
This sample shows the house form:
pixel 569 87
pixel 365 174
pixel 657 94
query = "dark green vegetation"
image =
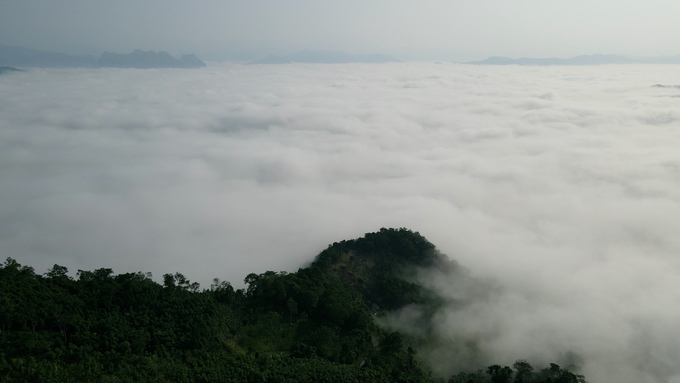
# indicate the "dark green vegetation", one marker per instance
pixel 316 325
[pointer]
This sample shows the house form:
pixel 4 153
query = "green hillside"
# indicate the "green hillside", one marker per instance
pixel 319 324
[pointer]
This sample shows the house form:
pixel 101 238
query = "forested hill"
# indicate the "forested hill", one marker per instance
pixel 381 267
pixel 319 324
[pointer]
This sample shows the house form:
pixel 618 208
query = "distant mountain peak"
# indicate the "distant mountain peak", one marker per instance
pixel 596 59
pixel 148 59
pixel 5 69
pixel 26 57
pixel 325 57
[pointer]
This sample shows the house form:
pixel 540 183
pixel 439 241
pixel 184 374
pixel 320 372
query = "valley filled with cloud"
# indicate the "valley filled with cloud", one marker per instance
pixel 561 185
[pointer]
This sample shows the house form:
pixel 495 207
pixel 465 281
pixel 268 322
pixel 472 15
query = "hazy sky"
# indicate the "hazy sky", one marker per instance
pixel 561 184
pixel 423 29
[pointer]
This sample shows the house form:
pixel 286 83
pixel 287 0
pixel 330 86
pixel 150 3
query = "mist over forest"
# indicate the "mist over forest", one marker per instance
pixel 556 188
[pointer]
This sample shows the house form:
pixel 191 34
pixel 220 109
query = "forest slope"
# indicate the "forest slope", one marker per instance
pixel 318 324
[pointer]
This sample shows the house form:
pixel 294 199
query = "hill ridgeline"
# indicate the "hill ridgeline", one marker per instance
pixel 323 323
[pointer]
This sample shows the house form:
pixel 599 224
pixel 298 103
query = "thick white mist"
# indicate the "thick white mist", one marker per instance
pixel 562 184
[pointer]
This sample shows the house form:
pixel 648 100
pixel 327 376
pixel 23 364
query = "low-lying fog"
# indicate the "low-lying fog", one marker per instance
pixel 560 183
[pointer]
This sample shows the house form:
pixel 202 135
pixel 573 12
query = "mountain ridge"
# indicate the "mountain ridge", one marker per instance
pixel 596 59
pixel 138 59
pixel 27 57
pixel 324 57
pixel 6 69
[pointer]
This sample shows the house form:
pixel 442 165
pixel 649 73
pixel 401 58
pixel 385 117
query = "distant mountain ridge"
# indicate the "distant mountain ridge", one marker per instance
pixel 149 59
pixel 26 57
pixel 597 59
pixel 4 69
pixel 325 57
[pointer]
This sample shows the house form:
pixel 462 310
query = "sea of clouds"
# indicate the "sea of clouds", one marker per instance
pixel 560 184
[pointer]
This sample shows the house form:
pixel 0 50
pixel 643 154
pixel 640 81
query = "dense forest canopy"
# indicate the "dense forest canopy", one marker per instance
pixel 319 324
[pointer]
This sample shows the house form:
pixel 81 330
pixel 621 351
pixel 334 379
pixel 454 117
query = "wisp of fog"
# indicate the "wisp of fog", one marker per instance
pixel 559 184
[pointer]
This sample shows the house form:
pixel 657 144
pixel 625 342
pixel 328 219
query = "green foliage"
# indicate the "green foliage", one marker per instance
pixel 315 325
pixel 116 328
pixel 555 374
pixel 523 373
pixel 380 267
pixel 499 374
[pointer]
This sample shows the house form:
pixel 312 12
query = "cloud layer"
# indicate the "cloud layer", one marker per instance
pixel 560 183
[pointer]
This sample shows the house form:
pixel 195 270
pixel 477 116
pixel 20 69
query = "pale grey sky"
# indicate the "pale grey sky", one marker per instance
pixel 409 30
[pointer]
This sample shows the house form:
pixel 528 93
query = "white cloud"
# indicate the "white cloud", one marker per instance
pixel 561 183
